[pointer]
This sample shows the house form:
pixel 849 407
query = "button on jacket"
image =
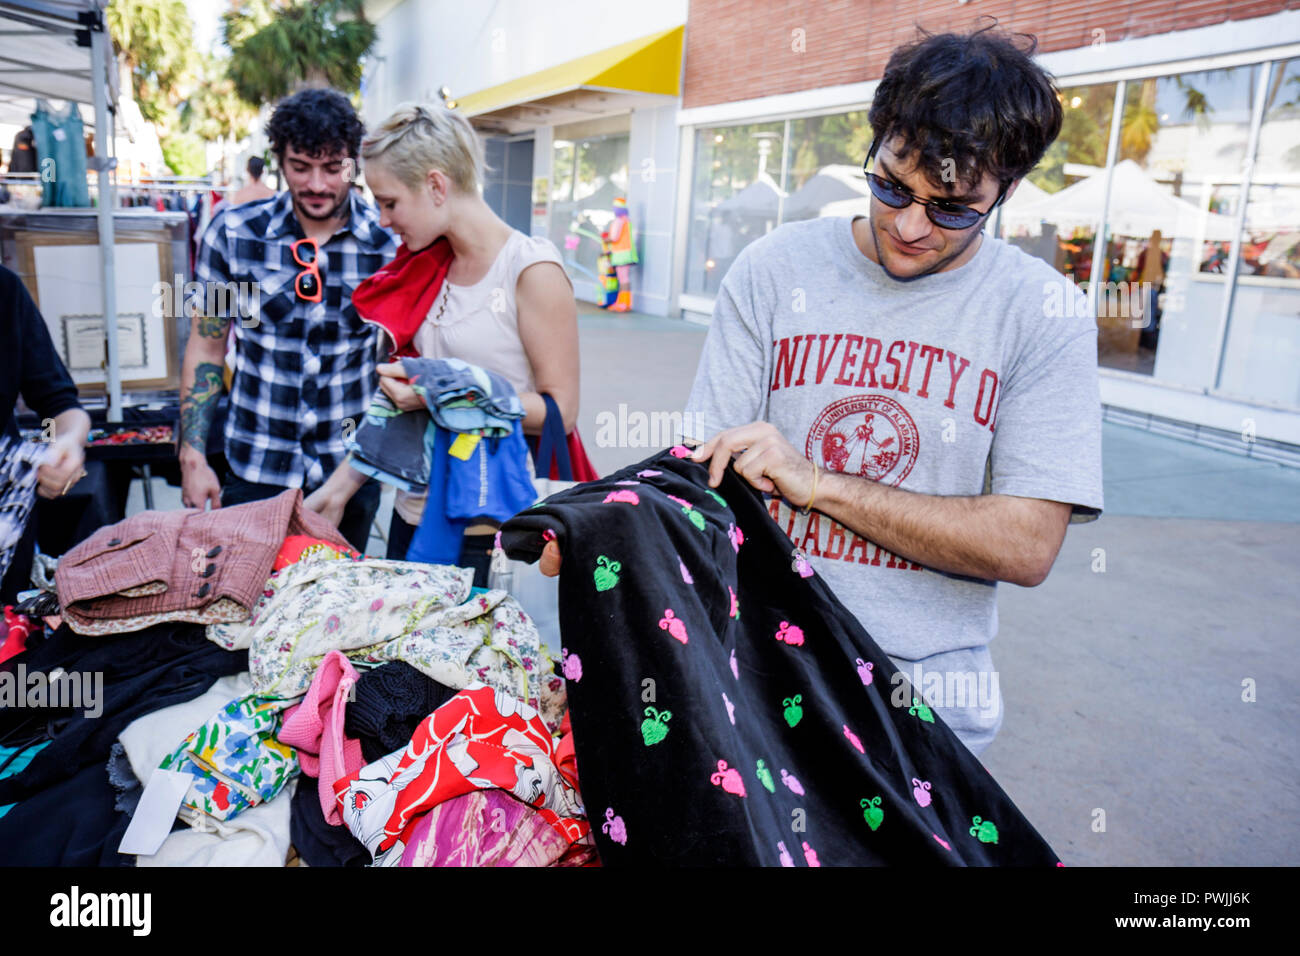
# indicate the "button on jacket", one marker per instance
pixel 178 565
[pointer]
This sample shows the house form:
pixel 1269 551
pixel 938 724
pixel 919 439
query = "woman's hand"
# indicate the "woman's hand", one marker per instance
pixel 62 468
pixel 331 498
pixel 326 504
pixel 549 563
pixel 392 379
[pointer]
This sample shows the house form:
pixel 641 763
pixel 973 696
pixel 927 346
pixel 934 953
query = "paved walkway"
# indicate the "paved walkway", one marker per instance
pixel 1124 686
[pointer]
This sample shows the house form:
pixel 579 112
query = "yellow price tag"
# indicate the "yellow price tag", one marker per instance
pixel 463 446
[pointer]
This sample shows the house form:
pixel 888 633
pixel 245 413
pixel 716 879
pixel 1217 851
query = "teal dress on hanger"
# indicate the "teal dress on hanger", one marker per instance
pixel 61 146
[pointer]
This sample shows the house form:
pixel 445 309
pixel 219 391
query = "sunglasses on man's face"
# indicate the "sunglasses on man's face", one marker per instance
pixel 307 284
pixel 944 214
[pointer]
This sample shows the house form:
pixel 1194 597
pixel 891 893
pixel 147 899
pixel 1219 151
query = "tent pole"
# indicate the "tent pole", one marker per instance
pixel 99 55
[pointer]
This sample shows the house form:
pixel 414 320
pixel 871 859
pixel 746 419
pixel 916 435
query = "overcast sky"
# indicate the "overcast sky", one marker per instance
pixel 207 21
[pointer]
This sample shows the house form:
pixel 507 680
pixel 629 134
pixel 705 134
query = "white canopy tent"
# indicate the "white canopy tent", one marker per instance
pixel 829 186
pixel 1138 207
pixel 61 49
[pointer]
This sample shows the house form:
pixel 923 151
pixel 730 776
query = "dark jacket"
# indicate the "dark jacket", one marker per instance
pixel 29 365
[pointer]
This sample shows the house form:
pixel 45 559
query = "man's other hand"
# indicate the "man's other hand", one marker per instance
pixel 199 483
pixel 764 458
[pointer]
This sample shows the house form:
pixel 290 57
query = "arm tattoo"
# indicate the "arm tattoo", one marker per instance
pixel 198 406
pixel 211 326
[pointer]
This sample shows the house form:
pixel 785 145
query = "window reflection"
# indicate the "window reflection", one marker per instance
pixel 1055 211
pixel 736 197
pixel 824 167
pixel 589 175
pixel 1261 357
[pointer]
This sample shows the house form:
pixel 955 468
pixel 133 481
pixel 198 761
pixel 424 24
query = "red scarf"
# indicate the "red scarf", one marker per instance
pixel 398 297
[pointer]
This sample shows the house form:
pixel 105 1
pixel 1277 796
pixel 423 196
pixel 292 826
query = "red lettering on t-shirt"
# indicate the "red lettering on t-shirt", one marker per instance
pixel 786 351
pixel 898 366
pixel 985 377
pixel 824 360
pixel 870 356
pixel 858 543
pixel 929 353
pixel 911 354
pixel 850 355
pixel 835 541
pixel 813 533
pixel 807 350
pixel 955 376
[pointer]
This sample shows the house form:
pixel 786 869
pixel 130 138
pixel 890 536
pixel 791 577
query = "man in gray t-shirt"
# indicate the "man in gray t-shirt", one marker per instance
pixel 929 390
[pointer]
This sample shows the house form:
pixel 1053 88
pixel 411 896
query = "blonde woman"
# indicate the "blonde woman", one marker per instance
pixel 506 304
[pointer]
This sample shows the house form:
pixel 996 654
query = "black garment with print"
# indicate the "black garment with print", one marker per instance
pixel 728 710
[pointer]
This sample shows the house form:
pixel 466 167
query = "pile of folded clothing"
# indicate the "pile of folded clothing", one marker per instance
pixel 224 688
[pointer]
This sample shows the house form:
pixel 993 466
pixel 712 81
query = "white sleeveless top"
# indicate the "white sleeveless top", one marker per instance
pixel 480 325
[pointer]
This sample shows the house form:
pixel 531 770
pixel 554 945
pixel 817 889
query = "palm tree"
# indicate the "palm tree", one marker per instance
pixel 280 46
pixel 213 110
pixel 1140 123
pixel 154 39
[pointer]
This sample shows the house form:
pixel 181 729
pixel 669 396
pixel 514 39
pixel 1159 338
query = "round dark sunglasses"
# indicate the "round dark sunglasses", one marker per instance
pixel 944 214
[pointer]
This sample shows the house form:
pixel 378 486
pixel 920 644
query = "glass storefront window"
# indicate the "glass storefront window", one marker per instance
pixel 1261 358
pixel 1055 211
pixel 1176 187
pixel 735 198
pixel 824 157
pixel 589 174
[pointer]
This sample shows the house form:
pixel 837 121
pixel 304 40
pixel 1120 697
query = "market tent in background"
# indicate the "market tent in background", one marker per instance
pixel 40 46
pixel 1138 207
pixel 831 189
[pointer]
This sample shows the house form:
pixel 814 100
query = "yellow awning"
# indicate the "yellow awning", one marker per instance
pixel 651 64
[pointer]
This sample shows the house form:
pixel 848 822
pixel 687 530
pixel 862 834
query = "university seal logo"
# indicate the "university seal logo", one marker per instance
pixel 871 436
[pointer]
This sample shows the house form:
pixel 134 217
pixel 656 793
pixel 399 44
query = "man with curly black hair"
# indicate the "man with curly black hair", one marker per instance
pixel 919 398
pixel 280 272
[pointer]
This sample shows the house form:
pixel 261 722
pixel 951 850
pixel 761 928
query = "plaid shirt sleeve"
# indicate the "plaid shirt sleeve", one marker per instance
pixel 212 269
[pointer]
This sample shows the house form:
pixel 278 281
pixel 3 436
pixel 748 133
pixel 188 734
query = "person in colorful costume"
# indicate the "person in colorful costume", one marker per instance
pixel 622 254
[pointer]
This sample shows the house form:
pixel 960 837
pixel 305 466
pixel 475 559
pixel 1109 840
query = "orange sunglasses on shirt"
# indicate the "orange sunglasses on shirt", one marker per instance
pixel 307 284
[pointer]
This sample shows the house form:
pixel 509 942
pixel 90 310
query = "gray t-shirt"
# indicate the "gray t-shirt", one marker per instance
pixel 923 385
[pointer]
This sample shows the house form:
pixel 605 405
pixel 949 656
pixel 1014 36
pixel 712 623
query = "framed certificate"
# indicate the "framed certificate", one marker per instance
pixel 62 272
pixel 85 345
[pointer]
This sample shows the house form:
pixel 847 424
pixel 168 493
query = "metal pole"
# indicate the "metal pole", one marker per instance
pixel 1099 243
pixel 1243 200
pixel 99 58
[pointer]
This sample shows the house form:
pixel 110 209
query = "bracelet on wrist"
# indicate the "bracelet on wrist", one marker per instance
pixel 813 494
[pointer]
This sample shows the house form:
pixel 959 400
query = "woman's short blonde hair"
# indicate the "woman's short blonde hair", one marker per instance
pixel 419 137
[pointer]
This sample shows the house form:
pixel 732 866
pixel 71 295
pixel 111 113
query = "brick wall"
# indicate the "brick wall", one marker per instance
pixel 741 49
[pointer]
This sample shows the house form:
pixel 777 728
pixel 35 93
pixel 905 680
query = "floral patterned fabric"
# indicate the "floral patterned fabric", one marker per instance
pixel 235 759
pixel 480 739
pixel 220 611
pixel 379 610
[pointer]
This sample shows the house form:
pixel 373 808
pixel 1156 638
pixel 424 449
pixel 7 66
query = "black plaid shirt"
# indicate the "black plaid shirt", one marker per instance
pixel 303 369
